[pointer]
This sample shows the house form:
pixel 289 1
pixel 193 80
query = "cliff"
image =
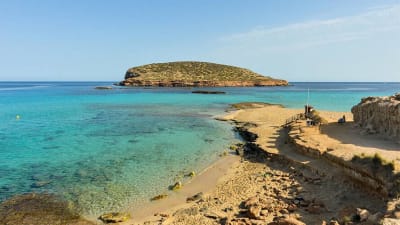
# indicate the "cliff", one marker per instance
pixel 195 74
pixel 379 115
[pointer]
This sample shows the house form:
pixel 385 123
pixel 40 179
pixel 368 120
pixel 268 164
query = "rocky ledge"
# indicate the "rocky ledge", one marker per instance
pixel 379 115
pixel 196 74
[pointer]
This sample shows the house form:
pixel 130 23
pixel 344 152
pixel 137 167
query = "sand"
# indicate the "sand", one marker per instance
pixel 272 181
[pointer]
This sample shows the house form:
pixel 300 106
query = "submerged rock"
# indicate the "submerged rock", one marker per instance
pixel 39 184
pixel 178 185
pixel 39 209
pixel 191 174
pixel 159 197
pixel 114 217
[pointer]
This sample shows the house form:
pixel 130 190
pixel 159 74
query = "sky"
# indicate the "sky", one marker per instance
pixel 308 40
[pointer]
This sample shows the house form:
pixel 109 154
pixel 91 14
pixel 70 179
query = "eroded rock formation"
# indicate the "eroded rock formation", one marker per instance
pixel 379 115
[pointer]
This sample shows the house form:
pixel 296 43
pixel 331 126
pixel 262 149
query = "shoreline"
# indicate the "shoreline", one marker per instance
pixel 203 182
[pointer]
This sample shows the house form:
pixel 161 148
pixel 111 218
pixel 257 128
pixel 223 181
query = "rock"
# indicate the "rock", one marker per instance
pixel 208 92
pixel 390 221
pixel 314 209
pixel 375 218
pixel 287 221
pixel 159 197
pixel 264 212
pixel 114 217
pixel 379 114
pixel 40 209
pixel 103 88
pixel 396 214
pixel 292 207
pixel 39 184
pixel 333 222
pixel 191 174
pixel 250 202
pixel 212 215
pixel 363 214
pixel 284 211
pixel 195 197
pixel 178 185
pixel 254 212
pixel 162 215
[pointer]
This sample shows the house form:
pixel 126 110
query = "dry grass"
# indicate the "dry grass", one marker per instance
pixel 189 71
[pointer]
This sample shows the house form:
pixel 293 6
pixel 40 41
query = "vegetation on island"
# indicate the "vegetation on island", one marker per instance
pixel 195 74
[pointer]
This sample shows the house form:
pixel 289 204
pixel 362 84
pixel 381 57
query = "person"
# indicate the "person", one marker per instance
pixel 342 120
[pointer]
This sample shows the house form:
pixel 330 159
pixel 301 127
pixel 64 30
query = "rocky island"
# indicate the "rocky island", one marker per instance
pixel 195 74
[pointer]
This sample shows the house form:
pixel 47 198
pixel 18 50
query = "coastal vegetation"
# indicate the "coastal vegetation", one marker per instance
pixel 192 74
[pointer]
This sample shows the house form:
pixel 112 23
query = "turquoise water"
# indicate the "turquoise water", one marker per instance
pixel 103 149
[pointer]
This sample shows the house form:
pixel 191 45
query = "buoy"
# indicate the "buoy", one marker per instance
pixel 17 117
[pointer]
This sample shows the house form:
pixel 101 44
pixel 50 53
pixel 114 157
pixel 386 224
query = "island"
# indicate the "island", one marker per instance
pixel 195 74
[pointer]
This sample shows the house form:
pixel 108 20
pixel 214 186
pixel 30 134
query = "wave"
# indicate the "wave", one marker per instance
pixel 23 88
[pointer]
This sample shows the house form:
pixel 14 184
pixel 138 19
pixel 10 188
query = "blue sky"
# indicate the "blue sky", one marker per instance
pixel 307 40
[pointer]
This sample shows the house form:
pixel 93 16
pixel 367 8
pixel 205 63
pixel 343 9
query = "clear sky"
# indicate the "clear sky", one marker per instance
pixel 308 40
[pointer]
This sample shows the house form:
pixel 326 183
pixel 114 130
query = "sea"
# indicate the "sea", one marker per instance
pixel 106 150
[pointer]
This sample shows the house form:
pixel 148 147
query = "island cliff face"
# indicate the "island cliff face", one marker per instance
pixel 379 115
pixel 195 74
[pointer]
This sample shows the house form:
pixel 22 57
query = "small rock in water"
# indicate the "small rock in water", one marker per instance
pixel 114 217
pixel 103 88
pixel 159 197
pixel 178 185
pixel 191 174
pixel 40 184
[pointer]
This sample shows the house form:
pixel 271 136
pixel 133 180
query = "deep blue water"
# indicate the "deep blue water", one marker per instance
pixel 104 148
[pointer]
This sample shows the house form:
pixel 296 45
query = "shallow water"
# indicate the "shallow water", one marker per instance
pixel 102 149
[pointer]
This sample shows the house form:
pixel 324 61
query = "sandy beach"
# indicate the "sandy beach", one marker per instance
pixel 271 182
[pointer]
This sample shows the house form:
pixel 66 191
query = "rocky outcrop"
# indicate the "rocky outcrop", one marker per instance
pixel 379 115
pixel 195 74
pixel 35 209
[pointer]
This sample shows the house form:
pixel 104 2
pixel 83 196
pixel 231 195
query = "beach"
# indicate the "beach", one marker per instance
pixel 270 182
